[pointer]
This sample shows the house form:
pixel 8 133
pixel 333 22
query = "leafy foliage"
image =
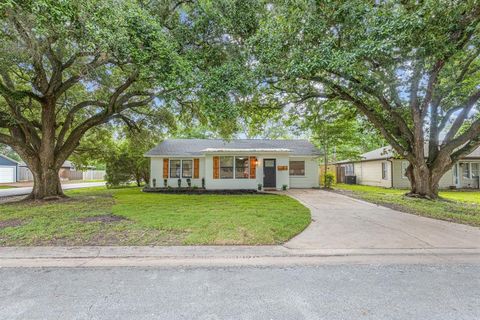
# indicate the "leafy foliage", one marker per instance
pixel 126 162
pixel 411 68
pixel 328 180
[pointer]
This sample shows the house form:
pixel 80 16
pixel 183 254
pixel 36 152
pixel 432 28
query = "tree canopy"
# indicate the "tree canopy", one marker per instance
pixel 412 68
pixel 68 66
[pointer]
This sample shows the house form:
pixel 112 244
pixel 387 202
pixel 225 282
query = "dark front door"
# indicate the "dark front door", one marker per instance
pixel 269 173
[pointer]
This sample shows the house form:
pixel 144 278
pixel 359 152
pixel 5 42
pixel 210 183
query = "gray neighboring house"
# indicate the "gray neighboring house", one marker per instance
pixel 234 164
pixel 380 168
pixel 8 170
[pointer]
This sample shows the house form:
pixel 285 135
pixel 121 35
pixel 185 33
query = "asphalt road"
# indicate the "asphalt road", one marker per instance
pixel 26 190
pixel 321 292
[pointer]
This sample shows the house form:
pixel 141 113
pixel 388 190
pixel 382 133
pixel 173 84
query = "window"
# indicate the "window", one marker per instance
pixel 241 168
pixel 297 168
pixel 404 169
pixel 384 171
pixel 226 167
pixel 349 169
pixel 269 163
pixel 475 170
pixel 186 168
pixel 175 166
pixel 465 170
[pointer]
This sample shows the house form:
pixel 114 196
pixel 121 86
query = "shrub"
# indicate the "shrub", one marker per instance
pixel 118 172
pixel 328 180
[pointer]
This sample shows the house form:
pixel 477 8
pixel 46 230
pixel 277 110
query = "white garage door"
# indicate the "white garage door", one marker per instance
pixel 7 174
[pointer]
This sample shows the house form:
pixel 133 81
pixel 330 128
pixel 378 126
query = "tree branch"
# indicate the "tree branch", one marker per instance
pixel 460 119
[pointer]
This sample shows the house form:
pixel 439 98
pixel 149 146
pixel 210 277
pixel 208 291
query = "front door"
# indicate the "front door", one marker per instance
pixel 269 173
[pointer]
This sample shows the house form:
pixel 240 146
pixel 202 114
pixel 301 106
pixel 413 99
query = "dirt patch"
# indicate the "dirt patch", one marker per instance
pixel 10 223
pixel 104 218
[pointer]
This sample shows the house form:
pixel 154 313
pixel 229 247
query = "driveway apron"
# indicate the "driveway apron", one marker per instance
pixel 341 222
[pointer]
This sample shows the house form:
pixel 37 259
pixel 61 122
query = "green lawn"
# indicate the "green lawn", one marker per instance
pixel 97 216
pixel 6 187
pixel 457 206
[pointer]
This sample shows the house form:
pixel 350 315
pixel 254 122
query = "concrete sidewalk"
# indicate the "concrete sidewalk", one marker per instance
pixel 343 231
pixel 224 256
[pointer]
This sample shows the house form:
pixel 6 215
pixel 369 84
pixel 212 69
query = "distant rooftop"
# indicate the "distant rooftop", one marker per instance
pixel 387 152
pixel 196 147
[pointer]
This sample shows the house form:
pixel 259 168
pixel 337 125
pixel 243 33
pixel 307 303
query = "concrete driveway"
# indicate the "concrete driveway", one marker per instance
pixel 341 222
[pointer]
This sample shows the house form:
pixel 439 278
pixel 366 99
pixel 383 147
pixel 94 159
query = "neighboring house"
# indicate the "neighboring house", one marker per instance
pixel 380 168
pixel 8 169
pixel 235 164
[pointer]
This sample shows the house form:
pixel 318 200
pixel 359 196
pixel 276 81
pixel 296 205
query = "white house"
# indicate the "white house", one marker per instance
pixel 235 164
pixel 381 168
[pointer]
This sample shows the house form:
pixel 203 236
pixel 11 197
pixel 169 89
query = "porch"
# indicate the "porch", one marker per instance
pixel 466 174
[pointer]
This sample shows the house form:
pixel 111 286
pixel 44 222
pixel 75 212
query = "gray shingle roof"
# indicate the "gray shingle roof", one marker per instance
pixel 194 147
pixel 387 153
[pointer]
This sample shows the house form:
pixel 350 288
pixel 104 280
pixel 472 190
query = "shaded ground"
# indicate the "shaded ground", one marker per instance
pixel 456 206
pixel 98 216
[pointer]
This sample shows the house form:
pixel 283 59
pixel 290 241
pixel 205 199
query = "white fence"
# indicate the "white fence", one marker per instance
pixel 94 175
pixel 24 174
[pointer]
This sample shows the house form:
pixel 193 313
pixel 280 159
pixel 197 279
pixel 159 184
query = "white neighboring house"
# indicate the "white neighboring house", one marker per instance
pixel 380 168
pixel 235 164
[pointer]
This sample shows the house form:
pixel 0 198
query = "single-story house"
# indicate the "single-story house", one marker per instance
pixel 234 164
pixel 380 168
pixel 8 169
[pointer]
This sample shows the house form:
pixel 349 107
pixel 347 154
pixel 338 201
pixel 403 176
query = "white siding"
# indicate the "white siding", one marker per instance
pixel 370 173
pixel 206 171
pixel 311 178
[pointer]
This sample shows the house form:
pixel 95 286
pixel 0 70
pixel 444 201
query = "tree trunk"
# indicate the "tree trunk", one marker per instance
pixel 46 165
pixel 46 183
pixel 326 167
pixel 424 181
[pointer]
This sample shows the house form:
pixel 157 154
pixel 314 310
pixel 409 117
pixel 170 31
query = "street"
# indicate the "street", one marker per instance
pixel 26 190
pixel 316 292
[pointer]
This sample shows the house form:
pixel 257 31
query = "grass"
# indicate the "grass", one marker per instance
pixel 152 219
pixel 457 206
pixel 6 187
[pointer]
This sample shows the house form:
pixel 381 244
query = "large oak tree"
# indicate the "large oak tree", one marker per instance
pixel 411 67
pixel 68 66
